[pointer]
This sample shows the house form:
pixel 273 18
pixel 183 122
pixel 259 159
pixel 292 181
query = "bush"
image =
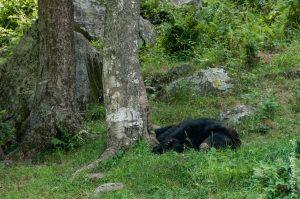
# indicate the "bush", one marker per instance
pixel 268 108
pixel 155 13
pixel 233 26
pixel 65 140
pixel 275 180
pixel 15 18
pixel 184 33
pixel 251 59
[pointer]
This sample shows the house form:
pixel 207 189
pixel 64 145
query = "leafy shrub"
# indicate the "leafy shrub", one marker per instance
pixel 14 11
pixel 95 112
pixel 293 18
pixel 184 33
pixel 15 17
pixel 233 26
pixel 268 108
pixel 154 12
pixel 251 58
pixel 274 179
pixel 65 140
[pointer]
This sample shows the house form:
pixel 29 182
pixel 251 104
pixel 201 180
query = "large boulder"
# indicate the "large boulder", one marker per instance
pixel 180 70
pixel 236 114
pixel 147 32
pixel 202 82
pixel 88 72
pixel 89 16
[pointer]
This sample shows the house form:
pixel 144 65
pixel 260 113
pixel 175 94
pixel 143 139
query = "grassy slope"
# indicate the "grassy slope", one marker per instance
pixel 213 174
pixel 250 172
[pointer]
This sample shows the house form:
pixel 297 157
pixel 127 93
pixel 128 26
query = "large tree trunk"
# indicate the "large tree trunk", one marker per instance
pixel 124 92
pixel 54 109
pixel 125 99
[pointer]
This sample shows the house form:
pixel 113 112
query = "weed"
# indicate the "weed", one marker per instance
pixel 251 59
pixel 268 108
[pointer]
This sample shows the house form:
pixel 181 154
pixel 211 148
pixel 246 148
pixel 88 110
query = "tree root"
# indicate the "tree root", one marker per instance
pixel 109 152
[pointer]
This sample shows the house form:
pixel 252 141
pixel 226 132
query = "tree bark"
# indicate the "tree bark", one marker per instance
pixel 54 109
pixel 125 97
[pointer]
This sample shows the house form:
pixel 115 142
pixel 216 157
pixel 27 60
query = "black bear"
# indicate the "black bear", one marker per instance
pixel 196 133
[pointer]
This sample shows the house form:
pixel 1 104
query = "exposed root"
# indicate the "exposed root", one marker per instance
pixel 109 152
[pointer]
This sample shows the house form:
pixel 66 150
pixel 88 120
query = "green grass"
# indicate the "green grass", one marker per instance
pixel 253 171
pixel 214 174
pixel 264 166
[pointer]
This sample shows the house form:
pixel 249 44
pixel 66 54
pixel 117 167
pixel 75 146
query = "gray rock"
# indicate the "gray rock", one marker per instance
pixel 202 82
pixel 236 114
pixel 147 32
pixel 88 72
pixel 108 187
pixel 197 3
pixel 180 71
pixel 95 176
pixel 90 17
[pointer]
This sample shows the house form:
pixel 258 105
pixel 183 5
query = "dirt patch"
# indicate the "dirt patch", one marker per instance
pixel 267 56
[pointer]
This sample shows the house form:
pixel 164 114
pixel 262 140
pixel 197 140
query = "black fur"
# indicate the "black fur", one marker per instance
pixel 191 133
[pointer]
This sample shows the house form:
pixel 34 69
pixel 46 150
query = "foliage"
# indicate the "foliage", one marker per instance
pixel 178 26
pixel 15 18
pixel 65 140
pixel 98 44
pixel 232 26
pixel 95 112
pixel 268 108
pixel 275 179
pixel 152 10
pixel 94 117
pixel 184 34
pixel 251 59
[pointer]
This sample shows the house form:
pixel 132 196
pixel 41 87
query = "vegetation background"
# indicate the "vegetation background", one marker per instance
pixel 256 41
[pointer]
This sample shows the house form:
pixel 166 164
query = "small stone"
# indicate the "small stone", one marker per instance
pixel 95 176
pixel 108 187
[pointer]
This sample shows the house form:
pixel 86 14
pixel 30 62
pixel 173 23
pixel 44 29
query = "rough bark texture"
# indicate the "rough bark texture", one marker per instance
pixel 54 107
pixel 124 92
pixel 2 155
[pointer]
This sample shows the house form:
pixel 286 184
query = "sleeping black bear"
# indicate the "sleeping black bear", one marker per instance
pixel 196 133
